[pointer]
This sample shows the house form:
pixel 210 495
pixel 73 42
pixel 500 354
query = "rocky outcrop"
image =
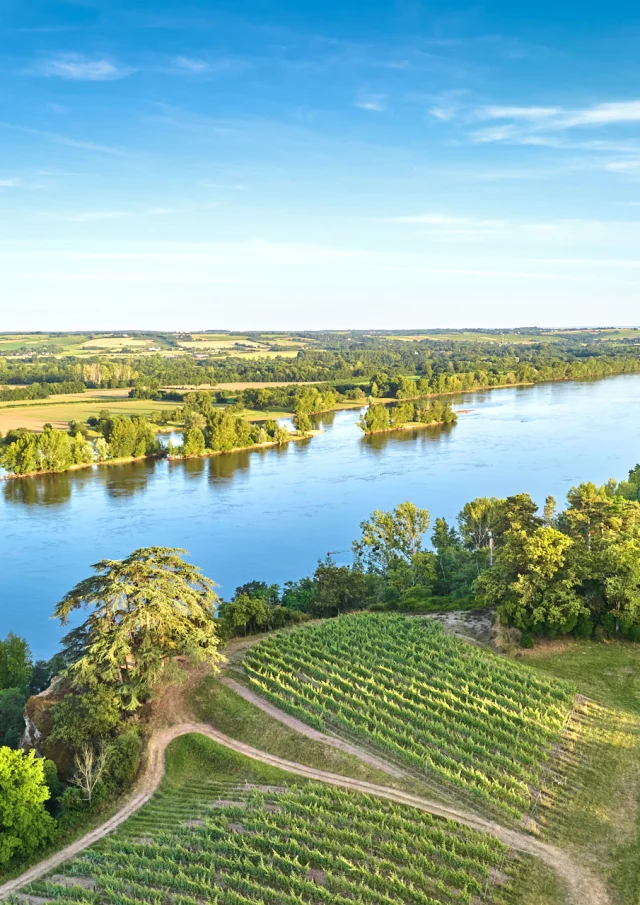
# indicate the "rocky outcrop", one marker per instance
pixel 39 723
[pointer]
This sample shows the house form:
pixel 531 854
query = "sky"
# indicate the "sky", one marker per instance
pixel 244 164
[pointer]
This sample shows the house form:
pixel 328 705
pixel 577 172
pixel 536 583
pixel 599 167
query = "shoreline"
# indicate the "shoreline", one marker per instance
pixel 407 426
pixel 126 460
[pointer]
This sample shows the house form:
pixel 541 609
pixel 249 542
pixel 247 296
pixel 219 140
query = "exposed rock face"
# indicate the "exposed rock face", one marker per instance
pixel 39 723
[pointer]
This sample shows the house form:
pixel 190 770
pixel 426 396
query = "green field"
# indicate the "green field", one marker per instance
pixel 227 831
pixel 469 720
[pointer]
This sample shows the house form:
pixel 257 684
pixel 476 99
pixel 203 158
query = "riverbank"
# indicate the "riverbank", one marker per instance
pixel 129 459
pixel 407 426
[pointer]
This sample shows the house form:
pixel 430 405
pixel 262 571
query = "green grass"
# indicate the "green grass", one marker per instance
pixel 227 831
pixel 598 812
pixel 226 711
pixel 470 721
pixel 608 673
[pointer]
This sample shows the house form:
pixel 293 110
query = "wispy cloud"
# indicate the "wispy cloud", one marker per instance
pixel 10 183
pixel 631 167
pixel 82 216
pixel 188 64
pixel 377 103
pixel 59 139
pixel 78 68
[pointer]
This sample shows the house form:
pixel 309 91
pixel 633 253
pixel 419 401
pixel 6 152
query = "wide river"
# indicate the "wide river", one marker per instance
pixel 271 514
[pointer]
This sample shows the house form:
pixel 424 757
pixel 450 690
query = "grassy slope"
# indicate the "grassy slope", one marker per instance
pixel 598 816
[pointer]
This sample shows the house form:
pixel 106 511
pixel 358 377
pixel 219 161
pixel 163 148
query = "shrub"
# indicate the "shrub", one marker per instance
pixel 124 759
pixel 526 640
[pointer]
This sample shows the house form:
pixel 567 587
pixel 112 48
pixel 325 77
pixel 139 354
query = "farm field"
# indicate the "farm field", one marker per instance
pixel 471 721
pixel 226 830
pixel 59 410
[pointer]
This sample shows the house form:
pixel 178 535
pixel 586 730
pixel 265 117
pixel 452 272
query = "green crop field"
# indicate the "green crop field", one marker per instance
pixel 269 839
pixel 473 722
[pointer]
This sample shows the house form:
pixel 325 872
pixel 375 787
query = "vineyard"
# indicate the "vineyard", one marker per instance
pixel 475 723
pixel 250 843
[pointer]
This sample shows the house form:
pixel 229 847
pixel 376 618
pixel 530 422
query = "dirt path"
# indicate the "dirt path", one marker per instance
pixel 302 728
pixel 583 889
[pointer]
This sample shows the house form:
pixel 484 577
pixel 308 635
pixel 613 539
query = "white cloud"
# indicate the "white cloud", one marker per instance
pixel 377 103
pixel 187 64
pixel 631 167
pixel 532 113
pixel 615 113
pixel 10 183
pixel 76 67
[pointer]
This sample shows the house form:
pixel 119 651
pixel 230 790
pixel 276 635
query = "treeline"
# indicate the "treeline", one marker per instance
pixel 41 390
pixel 380 417
pixel 448 365
pixel 24 452
pixel 548 573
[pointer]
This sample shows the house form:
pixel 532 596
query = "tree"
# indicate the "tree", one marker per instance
pixel 391 536
pixel 86 719
pixel 16 666
pixel 534 582
pixel 90 764
pixel 375 418
pixel 549 516
pixel 193 443
pixel 12 702
pixel 145 610
pixel 339 589
pixel 245 615
pixel 302 423
pixel 269 592
pixel 25 824
pixel 477 521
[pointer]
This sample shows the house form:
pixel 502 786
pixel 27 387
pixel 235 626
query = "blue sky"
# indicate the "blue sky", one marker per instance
pixel 318 164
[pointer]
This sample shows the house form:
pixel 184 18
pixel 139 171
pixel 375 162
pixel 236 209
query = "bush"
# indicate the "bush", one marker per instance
pixel 526 640
pixel 124 759
pixel 600 633
pixel 584 626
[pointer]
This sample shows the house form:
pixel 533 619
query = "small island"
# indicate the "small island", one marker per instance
pixel 418 413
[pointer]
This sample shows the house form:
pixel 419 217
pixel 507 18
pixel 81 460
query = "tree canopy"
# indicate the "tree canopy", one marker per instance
pixel 25 824
pixel 144 611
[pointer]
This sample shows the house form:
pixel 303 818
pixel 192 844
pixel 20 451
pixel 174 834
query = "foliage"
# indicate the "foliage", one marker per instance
pixel 25 824
pixel 379 417
pixel 86 719
pixel 16 666
pixel 12 702
pixel 145 610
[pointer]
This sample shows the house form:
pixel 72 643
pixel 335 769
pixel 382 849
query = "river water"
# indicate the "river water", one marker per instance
pixel 270 514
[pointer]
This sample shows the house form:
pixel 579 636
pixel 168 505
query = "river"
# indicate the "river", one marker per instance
pixel 270 514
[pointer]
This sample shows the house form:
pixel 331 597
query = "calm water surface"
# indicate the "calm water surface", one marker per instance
pixel 271 514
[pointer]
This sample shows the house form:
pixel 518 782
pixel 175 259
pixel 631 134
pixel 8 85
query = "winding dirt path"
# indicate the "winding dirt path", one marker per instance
pixel 583 889
pixel 309 732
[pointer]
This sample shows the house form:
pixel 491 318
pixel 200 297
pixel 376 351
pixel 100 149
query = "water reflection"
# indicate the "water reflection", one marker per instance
pixel 127 480
pixel 421 436
pixel 42 490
